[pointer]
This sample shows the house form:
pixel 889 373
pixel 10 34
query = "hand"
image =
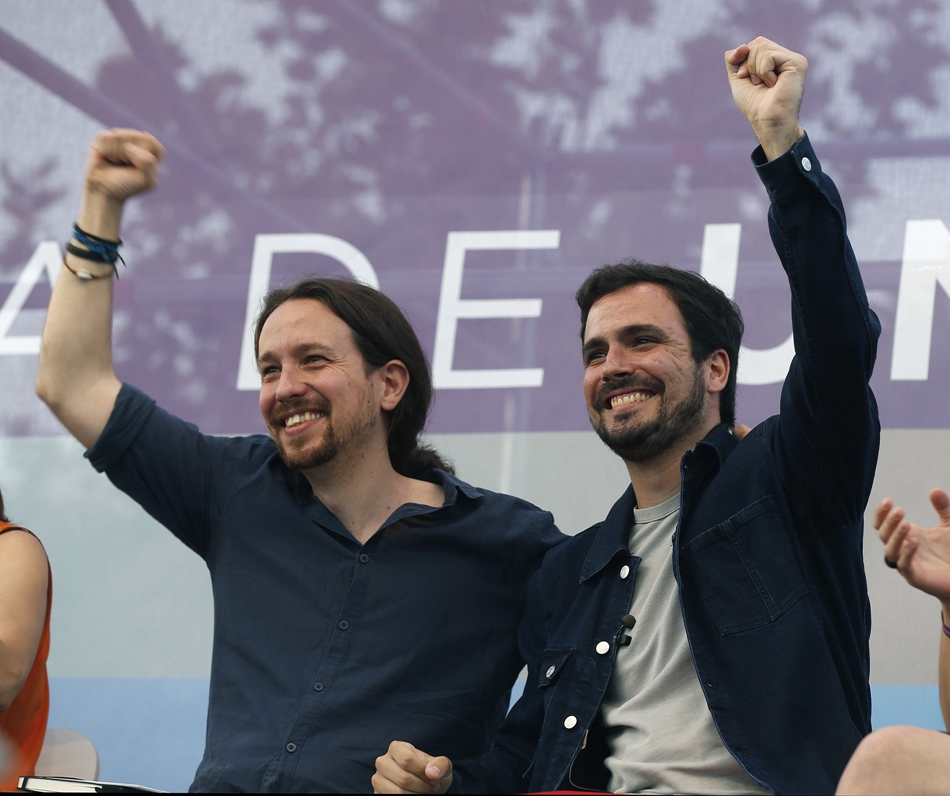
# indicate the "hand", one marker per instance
pixel 922 554
pixel 121 164
pixel 767 83
pixel 740 431
pixel 405 769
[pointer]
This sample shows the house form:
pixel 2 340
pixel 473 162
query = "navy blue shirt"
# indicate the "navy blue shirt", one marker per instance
pixel 766 555
pixel 326 650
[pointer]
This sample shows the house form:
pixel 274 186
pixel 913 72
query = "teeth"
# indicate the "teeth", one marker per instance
pixel 630 398
pixel 296 420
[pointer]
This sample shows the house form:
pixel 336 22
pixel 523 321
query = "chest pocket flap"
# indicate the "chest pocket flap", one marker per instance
pixel 744 568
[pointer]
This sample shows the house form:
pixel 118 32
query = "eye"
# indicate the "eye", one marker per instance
pixel 269 370
pixel 593 357
pixel 314 359
pixel 644 341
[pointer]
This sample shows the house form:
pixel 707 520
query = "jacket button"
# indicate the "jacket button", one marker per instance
pixel 291 747
pixel 806 164
pixel 570 722
pixel 602 648
pixel 624 572
pixel 550 672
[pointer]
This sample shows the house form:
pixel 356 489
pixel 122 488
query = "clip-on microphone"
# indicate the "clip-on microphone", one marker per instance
pixel 621 639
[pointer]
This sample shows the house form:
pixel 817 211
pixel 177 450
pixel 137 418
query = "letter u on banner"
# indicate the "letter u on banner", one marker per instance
pixel 452 307
pixel 720 260
pixel 265 247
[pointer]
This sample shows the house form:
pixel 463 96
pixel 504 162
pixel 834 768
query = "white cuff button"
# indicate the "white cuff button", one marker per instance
pixel 550 672
pixel 806 164
pixel 624 572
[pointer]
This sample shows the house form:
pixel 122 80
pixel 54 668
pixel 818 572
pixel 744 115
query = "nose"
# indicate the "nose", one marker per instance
pixel 616 363
pixel 290 385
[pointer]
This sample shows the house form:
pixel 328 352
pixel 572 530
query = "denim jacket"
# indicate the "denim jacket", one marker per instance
pixel 767 554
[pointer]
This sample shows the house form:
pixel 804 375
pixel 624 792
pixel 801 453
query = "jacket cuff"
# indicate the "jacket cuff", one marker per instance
pixel 795 172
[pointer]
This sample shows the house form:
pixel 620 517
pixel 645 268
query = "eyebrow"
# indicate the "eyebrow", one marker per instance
pixel 628 331
pixel 297 351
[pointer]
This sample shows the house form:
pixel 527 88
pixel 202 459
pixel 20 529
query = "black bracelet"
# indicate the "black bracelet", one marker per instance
pixel 86 254
pixel 96 238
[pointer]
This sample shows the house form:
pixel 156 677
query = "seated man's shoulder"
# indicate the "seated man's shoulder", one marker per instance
pixel 500 513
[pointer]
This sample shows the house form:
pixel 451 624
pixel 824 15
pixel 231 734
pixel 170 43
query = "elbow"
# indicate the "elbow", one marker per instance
pixel 10 685
pixel 47 389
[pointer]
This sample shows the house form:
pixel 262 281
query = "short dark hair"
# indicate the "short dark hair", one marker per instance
pixel 712 319
pixel 382 333
pixel 3 515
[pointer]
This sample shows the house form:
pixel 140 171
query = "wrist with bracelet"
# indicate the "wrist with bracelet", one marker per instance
pixel 99 250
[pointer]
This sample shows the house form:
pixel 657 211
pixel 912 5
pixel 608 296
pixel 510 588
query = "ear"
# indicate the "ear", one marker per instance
pixel 717 368
pixel 394 379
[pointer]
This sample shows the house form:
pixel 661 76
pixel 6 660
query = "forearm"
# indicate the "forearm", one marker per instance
pixel 76 377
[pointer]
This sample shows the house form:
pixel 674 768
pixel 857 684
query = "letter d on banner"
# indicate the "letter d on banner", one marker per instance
pixel 265 247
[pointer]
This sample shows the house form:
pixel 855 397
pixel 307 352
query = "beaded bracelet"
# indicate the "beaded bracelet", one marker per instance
pixel 85 275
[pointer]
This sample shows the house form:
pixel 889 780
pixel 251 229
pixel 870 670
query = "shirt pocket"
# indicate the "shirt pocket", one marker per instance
pixel 744 569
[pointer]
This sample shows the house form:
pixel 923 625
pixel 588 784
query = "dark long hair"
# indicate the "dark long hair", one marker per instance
pixel 712 319
pixel 381 333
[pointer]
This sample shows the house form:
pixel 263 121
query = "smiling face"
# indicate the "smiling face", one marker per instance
pixel 316 397
pixel 645 393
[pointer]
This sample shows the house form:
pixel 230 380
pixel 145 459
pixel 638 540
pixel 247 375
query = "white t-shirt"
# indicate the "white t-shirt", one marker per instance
pixel 661 734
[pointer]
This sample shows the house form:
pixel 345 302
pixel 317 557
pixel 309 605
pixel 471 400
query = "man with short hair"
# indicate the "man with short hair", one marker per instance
pixel 329 543
pixel 711 635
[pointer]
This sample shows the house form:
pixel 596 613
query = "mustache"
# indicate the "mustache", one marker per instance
pixel 629 383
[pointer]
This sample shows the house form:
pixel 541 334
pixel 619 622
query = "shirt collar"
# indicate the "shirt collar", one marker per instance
pixel 451 486
pixel 614 532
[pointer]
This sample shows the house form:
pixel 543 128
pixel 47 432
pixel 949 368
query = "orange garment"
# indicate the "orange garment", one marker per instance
pixel 24 722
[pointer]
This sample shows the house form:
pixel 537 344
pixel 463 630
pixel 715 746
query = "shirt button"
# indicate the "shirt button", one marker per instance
pixel 364 559
pixel 318 686
pixel 624 572
pixel 343 625
pixel 570 722
pixel 602 648
pixel 806 164
pixel 550 672
pixel 291 747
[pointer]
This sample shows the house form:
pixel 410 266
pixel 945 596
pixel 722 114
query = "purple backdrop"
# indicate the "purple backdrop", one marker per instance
pixel 391 124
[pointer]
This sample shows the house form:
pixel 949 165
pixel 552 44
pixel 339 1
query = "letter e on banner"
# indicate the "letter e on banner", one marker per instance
pixel 265 247
pixel 452 307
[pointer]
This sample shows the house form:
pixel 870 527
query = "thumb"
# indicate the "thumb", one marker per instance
pixel 437 768
pixel 940 502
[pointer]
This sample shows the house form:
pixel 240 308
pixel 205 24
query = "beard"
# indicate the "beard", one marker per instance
pixel 300 454
pixel 640 441
pixel 307 458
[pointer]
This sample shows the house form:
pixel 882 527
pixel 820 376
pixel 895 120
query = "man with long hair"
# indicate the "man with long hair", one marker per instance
pixel 331 542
